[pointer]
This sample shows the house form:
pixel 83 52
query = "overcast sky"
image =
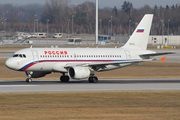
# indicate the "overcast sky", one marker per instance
pixel 103 3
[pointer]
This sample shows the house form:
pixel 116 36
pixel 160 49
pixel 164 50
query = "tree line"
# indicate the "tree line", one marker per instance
pixel 59 14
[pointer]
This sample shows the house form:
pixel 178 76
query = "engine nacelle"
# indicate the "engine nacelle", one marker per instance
pixel 79 72
pixel 37 74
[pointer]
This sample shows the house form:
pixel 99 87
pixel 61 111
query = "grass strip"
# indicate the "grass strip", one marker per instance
pixel 90 105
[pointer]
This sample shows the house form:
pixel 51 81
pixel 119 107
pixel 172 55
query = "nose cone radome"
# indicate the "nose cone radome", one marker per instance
pixel 10 64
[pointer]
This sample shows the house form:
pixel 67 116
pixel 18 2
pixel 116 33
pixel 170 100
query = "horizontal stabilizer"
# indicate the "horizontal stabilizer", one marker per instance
pixel 157 54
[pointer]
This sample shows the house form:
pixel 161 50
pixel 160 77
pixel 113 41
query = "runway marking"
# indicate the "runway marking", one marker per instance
pixel 17 85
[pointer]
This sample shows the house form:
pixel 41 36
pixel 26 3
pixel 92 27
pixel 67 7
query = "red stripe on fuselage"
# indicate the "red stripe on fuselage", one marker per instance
pixel 139 31
pixel 29 66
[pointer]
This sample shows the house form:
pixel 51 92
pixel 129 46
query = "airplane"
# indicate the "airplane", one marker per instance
pixel 81 63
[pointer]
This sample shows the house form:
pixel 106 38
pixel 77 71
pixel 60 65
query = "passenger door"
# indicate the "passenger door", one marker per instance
pixel 128 55
pixel 35 56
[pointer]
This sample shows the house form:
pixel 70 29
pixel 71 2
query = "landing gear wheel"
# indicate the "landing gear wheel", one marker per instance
pixel 28 80
pixel 90 79
pixel 93 80
pixel 29 74
pixel 64 79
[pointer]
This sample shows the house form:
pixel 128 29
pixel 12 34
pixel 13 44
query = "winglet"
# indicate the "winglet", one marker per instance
pixel 163 59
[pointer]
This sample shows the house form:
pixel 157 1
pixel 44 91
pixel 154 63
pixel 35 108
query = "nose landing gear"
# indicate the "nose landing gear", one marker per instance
pixel 29 80
pixel 29 73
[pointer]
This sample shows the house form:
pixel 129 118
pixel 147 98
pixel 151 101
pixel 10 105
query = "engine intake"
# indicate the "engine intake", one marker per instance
pixel 79 72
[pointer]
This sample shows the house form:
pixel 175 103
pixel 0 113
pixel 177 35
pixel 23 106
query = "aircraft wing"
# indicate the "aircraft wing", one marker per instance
pixel 156 54
pixel 106 63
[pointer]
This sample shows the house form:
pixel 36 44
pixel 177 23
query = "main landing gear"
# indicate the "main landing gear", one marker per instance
pixel 93 79
pixel 64 79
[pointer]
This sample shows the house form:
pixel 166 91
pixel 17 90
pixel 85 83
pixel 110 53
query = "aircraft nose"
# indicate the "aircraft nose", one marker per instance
pixel 10 64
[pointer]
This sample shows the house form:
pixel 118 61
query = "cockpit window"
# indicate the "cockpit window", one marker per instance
pixel 24 55
pixel 19 55
pixel 16 55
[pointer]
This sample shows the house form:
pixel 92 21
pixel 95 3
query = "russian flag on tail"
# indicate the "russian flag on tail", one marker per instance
pixel 140 31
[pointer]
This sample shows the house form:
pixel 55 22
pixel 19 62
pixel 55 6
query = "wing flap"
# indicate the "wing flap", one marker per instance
pixel 106 63
pixel 119 62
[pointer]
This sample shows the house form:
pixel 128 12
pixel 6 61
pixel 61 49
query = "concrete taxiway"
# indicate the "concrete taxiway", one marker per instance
pixel 12 86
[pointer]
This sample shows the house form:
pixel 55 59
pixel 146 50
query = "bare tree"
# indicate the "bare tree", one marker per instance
pixel 56 10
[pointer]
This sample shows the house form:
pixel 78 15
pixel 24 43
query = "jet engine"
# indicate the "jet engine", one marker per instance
pixel 35 74
pixel 79 72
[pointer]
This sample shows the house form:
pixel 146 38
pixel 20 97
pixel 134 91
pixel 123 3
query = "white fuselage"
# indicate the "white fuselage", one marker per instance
pixel 55 59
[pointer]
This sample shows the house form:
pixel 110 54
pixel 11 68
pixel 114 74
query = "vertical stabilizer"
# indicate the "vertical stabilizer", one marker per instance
pixel 140 36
